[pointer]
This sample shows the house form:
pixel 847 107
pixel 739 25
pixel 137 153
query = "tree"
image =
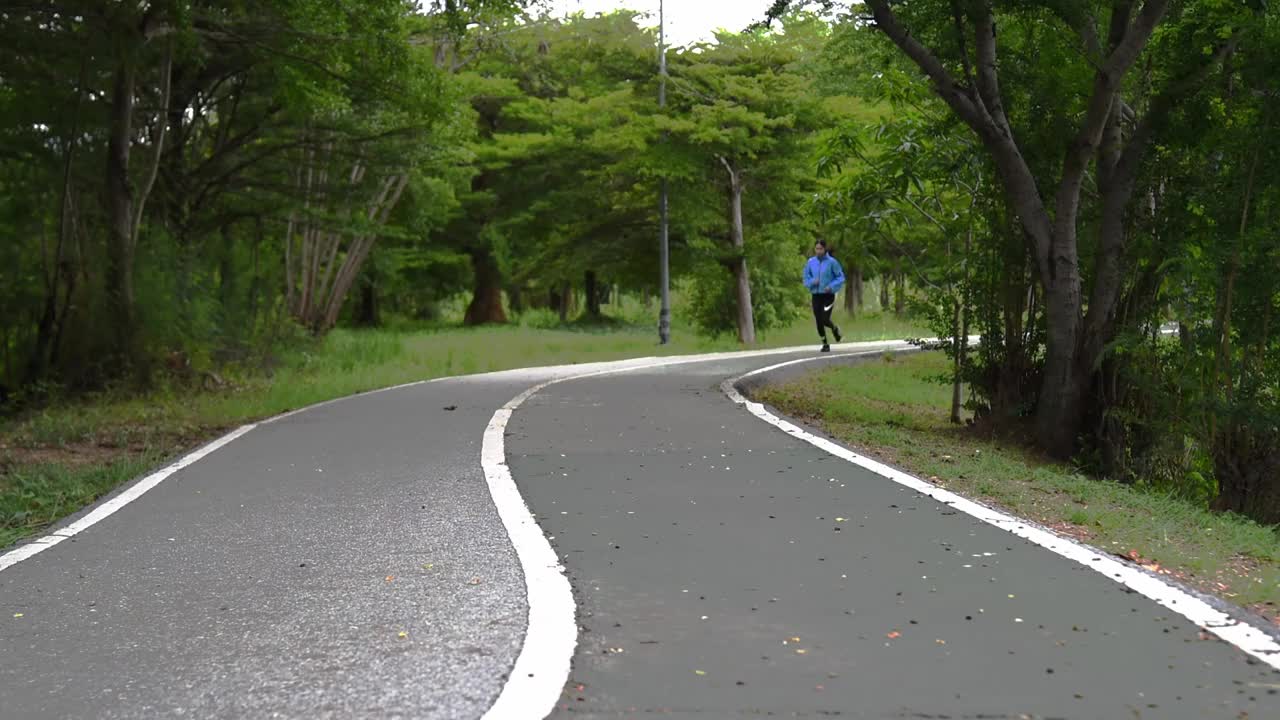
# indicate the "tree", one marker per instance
pixel 1078 329
pixel 741 112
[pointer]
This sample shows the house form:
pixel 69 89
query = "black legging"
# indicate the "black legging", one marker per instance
pixel 823 303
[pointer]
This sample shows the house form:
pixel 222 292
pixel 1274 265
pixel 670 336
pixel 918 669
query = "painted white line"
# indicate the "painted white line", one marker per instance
pixel 543 665
pixel 1247 638
pixel 106 509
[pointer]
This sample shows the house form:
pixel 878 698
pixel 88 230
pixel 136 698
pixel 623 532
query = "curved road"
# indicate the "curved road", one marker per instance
pixel 348 561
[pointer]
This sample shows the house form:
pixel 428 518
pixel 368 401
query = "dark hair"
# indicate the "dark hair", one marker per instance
pixel 823 243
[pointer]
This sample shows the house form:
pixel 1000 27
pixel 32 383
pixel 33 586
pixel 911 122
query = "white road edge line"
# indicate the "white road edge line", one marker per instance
pixel 106 509
pixel 1247 638
pixel 546 656
pixel 133 492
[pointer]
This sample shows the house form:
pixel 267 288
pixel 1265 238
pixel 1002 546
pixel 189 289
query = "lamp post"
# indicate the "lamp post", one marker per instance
pixel 664 249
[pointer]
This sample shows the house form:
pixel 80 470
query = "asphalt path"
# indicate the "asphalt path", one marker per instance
pixel 348 561
pixel 726 569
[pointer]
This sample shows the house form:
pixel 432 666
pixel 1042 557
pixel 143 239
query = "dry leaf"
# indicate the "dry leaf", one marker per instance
pixel 894 635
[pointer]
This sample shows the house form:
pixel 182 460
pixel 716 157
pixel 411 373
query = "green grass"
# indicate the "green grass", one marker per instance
pixel 44 474
pixel 895 411
pixel 34 495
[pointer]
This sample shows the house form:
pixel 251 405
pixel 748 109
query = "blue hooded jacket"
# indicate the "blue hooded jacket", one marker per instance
pixel 823 276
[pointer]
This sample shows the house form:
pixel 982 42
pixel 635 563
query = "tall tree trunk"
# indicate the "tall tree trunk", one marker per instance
pixel 564 300
pixel 852 292
pixel 592 291
pixel 486 298
pixel 227 273
pixel 899 292
pixel 884 291
pixel 957 381
pixel 1060 409
pixel 120 312
pixel 368 312
pixel 962 327
pixel 1073 342
pixel 742 274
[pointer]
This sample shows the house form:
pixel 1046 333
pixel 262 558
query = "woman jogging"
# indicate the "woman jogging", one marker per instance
pixel 823 277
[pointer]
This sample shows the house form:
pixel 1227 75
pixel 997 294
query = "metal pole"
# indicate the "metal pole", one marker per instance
pixel 664 249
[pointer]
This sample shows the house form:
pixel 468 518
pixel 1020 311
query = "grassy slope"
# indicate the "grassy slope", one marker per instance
pixel 895 412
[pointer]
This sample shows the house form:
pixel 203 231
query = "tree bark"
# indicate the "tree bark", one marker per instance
pixel 368 312
pixel 957 382
pixel 227 272
pixel 899 293
pixel 515 298
pixel 742 274
pixel 486 299
pixel 120 312
pixel 853 293
pixel 1053 241
pixel 592 290
pixel 884 291
pixel 564 300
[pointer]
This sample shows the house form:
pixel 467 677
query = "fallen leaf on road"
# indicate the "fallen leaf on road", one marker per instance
pixel 894 635
pixel 699 672
pixel 802 652
pixel 404 634
pixel 390 578
pixel 475 581
pixel 17 615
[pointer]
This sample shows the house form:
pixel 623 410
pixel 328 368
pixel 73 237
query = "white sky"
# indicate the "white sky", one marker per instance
pixel 687 20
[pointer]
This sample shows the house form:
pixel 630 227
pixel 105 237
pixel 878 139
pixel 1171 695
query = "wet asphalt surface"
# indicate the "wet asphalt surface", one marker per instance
pixel 724 569
pixel 348 562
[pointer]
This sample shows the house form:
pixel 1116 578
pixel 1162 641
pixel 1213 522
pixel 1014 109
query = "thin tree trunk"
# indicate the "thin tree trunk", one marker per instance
pixel 884 291
pixel 592 291
pixel 899 293
pixel 742 274
pixel 1224 364
pixel 851 292
pixel 957 380
pixel 120 312
pixel 227 273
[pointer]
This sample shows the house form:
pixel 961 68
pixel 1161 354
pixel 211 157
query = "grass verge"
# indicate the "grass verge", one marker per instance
pixel 58 460
pixel 894 411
